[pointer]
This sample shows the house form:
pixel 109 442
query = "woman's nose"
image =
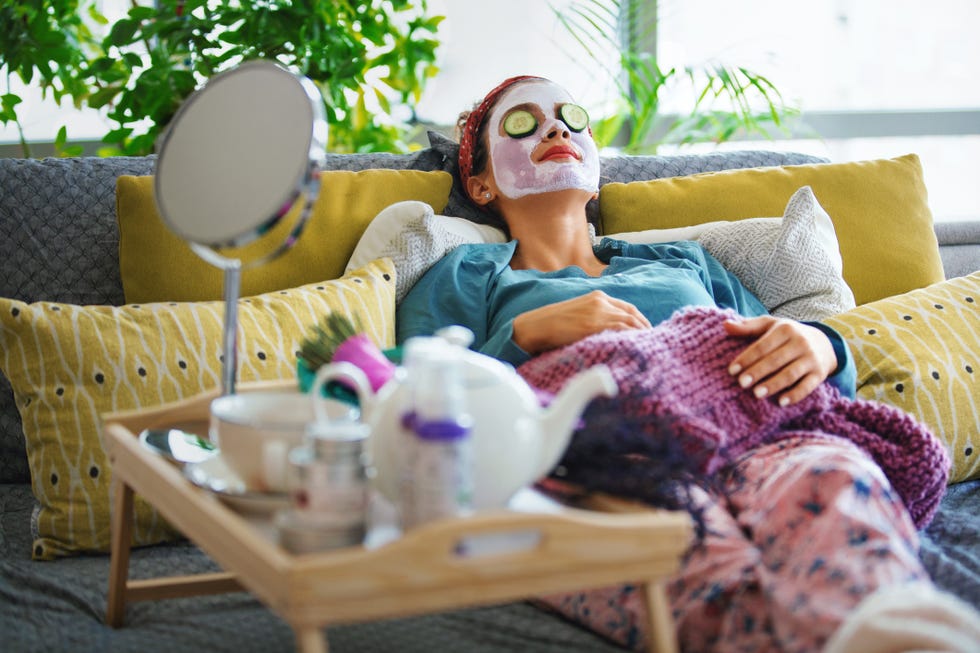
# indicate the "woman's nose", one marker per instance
pixel 557 129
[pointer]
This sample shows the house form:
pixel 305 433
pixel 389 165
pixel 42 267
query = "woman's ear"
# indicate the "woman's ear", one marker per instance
pixel 479 191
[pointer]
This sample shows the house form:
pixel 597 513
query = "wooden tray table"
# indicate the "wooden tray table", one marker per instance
pixel 418 572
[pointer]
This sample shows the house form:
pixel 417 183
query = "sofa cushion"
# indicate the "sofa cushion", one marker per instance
pixel 415 237
pixel 69 364
pixel 156 265
pixel 57 243
pixel 918 351
pixel 959 247
pixel 879 209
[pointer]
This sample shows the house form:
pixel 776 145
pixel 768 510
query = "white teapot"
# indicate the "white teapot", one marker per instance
pixel 515 440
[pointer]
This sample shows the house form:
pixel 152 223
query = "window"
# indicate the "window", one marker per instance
pixel 873 79
pixel 485 43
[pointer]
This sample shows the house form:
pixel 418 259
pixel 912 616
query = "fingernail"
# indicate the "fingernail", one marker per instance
pixel 784 401
pixel 734 369
pixel 760 392
pixel 745 381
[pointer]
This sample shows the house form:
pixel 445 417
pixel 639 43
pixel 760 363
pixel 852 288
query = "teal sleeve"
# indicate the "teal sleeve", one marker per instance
pixel 844 377
pixel 457 291
pixel 501 346
pixel 451 292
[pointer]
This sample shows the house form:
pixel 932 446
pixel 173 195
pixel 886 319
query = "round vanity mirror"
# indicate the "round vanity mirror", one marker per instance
pixel 238 165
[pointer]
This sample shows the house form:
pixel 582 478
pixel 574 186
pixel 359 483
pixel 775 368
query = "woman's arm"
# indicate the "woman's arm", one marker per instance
pixel 565 322
pixel 789 359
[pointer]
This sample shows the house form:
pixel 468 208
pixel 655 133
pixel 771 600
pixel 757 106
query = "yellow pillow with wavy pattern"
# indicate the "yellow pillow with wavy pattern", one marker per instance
pixel 70 364
pixel 921 352
pixel 157 266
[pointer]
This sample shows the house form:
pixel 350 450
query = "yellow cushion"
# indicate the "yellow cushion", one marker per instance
pixel 69 364
pixel 921 352
pixel 879 209
pixel 157 266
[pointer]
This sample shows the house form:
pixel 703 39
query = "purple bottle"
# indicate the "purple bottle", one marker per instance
pixel 437 475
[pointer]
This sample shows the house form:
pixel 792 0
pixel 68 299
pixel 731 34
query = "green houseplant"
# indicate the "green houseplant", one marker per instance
pixel 728 100
pixel 368 58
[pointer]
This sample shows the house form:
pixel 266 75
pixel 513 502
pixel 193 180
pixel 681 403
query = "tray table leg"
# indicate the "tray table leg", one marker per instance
pixel 311 639
pixel 663 639
pixel 122 522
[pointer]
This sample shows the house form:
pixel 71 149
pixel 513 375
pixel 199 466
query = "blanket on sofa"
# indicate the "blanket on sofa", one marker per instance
pixel 674 386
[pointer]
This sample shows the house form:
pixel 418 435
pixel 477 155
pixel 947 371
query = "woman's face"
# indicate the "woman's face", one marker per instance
pixel 548 156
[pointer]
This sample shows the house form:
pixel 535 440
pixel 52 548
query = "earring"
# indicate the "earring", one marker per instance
pixel 487 196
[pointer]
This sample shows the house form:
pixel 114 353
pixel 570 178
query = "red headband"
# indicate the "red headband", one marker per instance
pixel 473 121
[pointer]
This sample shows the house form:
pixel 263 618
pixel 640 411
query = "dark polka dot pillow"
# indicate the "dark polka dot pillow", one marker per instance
pixel 921 352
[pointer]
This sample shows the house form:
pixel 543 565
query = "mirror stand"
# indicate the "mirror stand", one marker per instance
pixel 232 290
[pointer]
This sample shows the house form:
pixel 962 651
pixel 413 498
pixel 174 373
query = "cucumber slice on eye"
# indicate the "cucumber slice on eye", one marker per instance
pixel 520 123
pixel 574 116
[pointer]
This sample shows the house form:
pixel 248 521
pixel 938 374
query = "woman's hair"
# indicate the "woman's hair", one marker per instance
pixel 471 132
pixel 480 156
pixel 471 129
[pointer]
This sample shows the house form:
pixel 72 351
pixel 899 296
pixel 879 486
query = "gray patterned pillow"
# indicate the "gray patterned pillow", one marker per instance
pixel 794 267
pixel 792 264
pixel 415 238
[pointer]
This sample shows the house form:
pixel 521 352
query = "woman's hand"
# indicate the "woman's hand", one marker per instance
pixel 788 358
pixel 563 323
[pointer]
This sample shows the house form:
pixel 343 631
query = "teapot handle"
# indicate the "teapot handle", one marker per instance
pixel 348 373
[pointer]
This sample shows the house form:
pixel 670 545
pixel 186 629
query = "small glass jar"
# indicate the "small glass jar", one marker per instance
pixel 329 488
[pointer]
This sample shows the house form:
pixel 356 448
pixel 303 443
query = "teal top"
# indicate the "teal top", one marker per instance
pixel 475 286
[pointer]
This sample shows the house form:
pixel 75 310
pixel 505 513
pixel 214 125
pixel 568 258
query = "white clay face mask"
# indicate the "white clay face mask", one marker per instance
pixel 524 165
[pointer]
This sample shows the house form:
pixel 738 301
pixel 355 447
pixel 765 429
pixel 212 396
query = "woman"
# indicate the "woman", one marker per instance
pixel 800 530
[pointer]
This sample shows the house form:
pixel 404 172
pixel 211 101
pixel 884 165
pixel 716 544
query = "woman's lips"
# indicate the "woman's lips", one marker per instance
pixel 560 152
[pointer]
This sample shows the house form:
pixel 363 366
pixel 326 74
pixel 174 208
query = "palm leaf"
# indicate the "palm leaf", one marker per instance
pixel 727 98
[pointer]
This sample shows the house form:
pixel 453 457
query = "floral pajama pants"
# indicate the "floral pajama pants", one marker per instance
pixel 802 531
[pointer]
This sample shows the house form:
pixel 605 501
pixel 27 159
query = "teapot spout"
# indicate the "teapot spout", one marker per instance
pixel 559 419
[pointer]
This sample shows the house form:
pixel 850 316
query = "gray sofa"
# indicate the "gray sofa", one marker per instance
pixel 58 242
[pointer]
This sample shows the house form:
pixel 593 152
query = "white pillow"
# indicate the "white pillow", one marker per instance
pixel 792 264
pixel 415 238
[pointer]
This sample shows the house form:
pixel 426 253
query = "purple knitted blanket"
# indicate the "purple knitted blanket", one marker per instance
pixel 677 371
